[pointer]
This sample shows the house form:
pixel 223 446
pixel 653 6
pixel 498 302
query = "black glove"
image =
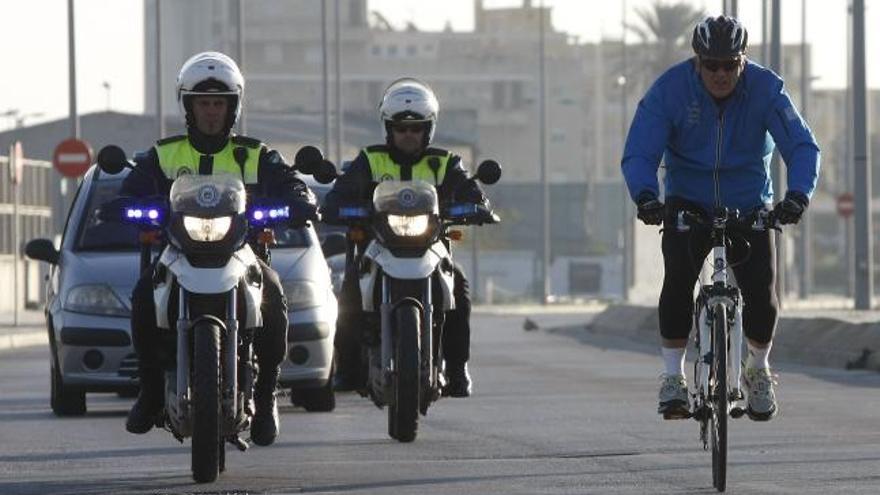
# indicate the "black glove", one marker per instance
pixel 651 210
pixel 791 209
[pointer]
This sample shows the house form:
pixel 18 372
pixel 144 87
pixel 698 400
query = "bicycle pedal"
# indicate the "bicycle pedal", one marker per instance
pixel 737 412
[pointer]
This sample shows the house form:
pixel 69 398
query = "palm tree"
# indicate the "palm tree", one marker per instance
pixel 668 26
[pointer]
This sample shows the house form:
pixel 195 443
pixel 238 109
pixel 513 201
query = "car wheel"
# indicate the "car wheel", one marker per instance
pixel 65 400
pixel 321 399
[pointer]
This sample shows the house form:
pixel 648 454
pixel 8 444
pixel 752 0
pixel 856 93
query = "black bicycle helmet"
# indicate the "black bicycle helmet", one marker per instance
pixel 720 37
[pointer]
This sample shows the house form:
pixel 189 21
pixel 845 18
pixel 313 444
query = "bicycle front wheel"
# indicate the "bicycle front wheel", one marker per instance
pixel 719 397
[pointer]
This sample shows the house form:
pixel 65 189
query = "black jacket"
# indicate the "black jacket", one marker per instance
pixel 356 185
pixel 276 179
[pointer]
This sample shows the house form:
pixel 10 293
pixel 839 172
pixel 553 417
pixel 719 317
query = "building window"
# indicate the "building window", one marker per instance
pixel 392 50
pixel 411 50
pixel 376 50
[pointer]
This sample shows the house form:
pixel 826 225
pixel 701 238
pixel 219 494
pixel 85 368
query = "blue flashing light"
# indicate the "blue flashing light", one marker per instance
pixel 353 212
pixel 264 215
pixel 143 215
pixel 461 210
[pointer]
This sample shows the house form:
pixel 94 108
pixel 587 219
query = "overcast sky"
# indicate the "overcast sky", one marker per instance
pixel 109 43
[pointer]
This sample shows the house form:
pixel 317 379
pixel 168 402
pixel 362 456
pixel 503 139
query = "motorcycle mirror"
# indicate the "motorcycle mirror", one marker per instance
pixel 112 159
pixel 489 172
pixel 308 160
pixel 325 173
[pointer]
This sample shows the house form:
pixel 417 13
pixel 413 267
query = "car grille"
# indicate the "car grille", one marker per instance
pixel 128 366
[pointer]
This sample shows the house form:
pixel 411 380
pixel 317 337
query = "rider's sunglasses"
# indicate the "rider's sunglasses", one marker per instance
pixel 414 128
pixel 713 65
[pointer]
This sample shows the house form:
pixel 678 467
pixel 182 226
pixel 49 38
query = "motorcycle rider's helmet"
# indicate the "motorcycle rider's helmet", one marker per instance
pixel 409 100
pixel 720 37
pixel 210 74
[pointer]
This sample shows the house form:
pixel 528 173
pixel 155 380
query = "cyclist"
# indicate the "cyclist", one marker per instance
pixel 714 120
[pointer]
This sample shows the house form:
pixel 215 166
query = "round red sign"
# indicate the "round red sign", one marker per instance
pixel 846 205
pixel 72 157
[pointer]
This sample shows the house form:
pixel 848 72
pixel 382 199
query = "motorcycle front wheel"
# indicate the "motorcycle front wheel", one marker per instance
pixel 206 441
pixel 403 413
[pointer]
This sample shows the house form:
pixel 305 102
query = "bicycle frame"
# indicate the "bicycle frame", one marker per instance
pixel 720 292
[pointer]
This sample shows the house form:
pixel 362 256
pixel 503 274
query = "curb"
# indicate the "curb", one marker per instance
pixel 811 340
pixel 24 339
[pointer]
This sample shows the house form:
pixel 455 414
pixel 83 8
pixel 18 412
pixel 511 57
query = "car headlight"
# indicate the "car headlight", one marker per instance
pixel 408 226
pixel 96 300
pixel 207 229
pixel 301 294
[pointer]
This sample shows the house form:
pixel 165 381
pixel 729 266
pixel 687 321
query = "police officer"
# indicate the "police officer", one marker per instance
pixel 209 91
pixel 408 113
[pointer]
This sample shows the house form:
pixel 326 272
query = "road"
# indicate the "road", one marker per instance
pixel 552 414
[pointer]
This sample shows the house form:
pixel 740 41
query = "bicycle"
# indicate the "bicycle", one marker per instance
pixel 718 339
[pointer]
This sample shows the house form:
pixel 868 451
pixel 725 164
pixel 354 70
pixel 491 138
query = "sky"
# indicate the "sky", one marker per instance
pixel 109 43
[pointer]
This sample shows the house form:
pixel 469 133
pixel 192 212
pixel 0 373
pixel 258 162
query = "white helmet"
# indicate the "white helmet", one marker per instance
pixel 214 74
pixel 409 100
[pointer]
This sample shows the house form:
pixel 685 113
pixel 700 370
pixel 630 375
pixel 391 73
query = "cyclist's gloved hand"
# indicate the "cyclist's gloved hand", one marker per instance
pixel 651 210
pixel 791 209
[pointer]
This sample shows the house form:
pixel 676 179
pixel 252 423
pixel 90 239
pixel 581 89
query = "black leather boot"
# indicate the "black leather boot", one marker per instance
pixel 150 401
pixel 458 380
pixel 266 425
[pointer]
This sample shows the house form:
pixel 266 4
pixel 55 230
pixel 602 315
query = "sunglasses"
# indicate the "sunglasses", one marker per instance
pixel 713 65
pixel 413 128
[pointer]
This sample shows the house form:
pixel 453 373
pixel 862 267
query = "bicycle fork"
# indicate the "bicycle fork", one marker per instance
pixel 734 364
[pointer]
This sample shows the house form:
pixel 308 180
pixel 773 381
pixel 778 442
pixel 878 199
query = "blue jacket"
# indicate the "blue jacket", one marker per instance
pixel 679 121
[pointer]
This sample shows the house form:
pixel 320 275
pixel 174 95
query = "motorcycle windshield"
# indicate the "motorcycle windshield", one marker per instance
pixel 208 196
pixel 405 198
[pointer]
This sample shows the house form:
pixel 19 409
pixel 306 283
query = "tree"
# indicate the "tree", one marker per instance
pixel 668 27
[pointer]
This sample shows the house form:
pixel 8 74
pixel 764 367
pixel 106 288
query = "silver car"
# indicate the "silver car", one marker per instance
pixel 88 305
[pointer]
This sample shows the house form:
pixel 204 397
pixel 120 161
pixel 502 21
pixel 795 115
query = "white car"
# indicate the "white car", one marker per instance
pixel 88 308
pixel 311 304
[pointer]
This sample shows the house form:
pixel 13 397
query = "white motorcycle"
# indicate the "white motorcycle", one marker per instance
pixel 406 274
pixel 208 275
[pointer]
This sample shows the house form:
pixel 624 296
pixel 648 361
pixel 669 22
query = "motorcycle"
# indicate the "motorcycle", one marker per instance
pixel 406 274
pixel 208 275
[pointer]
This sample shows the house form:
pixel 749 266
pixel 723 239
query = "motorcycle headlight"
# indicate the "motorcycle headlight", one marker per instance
pixel 408 226
pixel 301 294
pixel 207 229
pixel 96 300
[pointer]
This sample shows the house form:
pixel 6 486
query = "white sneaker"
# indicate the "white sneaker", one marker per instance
pixel 674 403
pixel 760 384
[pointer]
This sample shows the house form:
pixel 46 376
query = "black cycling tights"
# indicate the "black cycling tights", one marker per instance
pixel 756 279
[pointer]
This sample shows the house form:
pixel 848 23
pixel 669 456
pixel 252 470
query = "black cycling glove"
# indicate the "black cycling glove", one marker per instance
pixel 791 209
pixel 651 210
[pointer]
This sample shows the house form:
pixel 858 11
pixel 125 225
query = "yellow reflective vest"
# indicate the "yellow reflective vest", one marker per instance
pixel 240 156
pixel 431 168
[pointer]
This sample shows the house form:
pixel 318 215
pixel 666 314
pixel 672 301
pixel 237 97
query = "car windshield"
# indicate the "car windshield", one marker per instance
pixel 95 235
pixel 287 237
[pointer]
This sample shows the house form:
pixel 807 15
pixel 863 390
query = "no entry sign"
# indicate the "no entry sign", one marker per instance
pixel 72 157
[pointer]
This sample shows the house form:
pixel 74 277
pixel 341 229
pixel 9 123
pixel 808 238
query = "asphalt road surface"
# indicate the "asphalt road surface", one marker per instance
pixel 552 414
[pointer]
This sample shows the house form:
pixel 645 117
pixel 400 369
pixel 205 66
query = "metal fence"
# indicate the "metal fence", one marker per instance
pixel 26 211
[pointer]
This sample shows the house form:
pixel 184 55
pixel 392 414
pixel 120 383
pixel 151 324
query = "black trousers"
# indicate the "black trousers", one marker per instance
pixel 353 323
pixel 683 255
pixel 270 342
